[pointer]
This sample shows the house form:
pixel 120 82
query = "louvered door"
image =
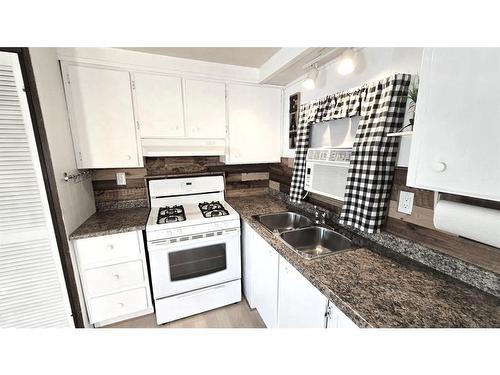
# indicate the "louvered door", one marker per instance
pixel 32 288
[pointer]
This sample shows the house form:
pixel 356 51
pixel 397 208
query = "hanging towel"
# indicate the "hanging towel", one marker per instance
pixel 374 155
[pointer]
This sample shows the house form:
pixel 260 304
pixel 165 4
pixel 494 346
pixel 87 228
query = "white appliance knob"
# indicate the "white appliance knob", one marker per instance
pixel 110 247
pixel 439 166
pixel 169 233
pixel 121 305
pixel 116 277
pixel 129 157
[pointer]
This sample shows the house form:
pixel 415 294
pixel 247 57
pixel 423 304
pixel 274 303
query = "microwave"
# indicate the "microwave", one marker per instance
pixel 326 171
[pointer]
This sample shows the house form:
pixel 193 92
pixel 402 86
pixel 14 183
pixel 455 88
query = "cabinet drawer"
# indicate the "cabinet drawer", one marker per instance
pixel 112 278
pixel 108 248
pixel 119 304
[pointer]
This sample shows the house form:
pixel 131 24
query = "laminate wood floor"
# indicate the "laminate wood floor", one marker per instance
pixel 237 315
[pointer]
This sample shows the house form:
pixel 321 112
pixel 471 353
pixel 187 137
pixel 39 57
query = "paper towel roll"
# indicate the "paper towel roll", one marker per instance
pixel 477 223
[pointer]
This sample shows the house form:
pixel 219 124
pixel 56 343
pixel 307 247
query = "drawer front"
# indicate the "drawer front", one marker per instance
pixel 119 304
pixel 113 278
pixel 108 248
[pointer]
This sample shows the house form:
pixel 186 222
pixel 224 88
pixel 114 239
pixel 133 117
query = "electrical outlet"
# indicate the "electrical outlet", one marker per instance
pixel 405 204
pixel 121 179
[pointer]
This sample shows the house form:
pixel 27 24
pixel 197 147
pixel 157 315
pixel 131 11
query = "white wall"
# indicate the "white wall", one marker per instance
pixel 372 64
pixel 77 200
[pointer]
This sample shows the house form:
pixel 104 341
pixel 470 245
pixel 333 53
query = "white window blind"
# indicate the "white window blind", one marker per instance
pixel 32 288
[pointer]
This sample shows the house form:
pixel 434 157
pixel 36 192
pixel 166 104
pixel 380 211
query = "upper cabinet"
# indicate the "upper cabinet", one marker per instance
pixel 205 109
pixel 118 116
pixel 255 119
pixel 160 111
pixel 102 117
pixel 456 141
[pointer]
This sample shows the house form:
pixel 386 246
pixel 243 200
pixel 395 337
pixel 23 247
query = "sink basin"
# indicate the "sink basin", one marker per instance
pixel 283 221
pixel 314 242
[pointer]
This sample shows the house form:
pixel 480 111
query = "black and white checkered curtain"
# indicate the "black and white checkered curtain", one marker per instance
pixel 307 115
pixel 331 107
pixel 374 155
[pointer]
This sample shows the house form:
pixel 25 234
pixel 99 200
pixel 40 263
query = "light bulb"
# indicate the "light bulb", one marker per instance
pixel 310 81
pixel 346 65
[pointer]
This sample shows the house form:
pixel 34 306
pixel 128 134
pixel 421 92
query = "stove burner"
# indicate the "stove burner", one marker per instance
pixel 171 214
pixel 212 209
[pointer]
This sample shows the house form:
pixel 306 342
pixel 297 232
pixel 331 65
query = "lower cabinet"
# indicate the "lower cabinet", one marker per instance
pixel 337 319
pixel 300 304
pixel 114 277
pixel 266 281
pixel 282 296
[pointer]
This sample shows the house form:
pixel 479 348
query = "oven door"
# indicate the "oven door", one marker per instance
pixel 194 264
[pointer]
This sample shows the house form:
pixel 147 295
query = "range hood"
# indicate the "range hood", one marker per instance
pixel 183 147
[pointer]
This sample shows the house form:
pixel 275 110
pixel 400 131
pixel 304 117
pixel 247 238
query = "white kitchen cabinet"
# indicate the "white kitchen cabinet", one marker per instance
pixel 205 103
pixel 159 105
pixel 337 319
pixel 101 117
pixel 114 277
pixel 260 275
pixel 254 124
pixel 456 141
pixel 300 304
pixel 247 259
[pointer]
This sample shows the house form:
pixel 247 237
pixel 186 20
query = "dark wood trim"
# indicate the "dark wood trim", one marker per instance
pixel 49 180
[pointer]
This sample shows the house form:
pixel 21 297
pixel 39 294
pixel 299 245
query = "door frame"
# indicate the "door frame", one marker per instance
pixel 49 180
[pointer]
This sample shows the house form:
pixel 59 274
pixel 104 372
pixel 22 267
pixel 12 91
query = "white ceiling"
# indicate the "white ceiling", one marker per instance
pixel 244 56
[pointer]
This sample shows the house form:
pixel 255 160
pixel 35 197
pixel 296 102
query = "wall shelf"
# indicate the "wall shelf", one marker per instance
pixel 400 134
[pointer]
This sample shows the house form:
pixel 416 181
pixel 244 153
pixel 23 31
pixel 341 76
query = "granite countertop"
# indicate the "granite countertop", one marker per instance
pixel 378 287
pixel 111 222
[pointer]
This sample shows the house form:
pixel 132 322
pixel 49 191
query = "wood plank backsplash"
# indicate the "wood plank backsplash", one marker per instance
pixel 247 179
pixel 418 226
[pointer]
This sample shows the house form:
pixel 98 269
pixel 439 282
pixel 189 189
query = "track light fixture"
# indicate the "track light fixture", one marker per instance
pixel 347 64
pixel 310 81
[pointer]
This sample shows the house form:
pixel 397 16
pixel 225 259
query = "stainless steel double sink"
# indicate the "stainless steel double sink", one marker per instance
pixel 308 239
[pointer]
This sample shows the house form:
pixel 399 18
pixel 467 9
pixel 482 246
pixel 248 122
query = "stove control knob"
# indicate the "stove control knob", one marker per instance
pixel 169 233
pixel 179 231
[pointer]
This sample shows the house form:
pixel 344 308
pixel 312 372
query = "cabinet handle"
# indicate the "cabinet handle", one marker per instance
pixel 116 277
pixel 110 247
pixel 439 166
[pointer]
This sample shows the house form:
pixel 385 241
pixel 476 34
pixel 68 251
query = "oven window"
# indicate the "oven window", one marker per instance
pixel 191 263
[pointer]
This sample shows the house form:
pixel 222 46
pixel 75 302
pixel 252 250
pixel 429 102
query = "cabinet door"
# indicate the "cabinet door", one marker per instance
pixel 102 117
pixel 205 109
pixel 456 140
pixel 254 116
pixel 266 281
pixel 337 319
pixel 300 304
pixel 159 105
pixel 248 267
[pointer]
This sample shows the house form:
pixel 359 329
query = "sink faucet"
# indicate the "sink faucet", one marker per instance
pixel 320 215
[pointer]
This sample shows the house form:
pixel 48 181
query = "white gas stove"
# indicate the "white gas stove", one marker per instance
pixel 193 238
